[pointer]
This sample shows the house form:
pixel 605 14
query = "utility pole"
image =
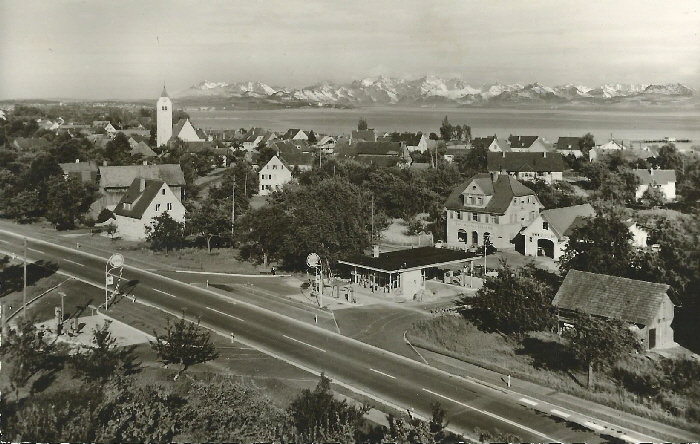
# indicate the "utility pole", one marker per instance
pixel 24 291
pixel 372 235
pixel 233 203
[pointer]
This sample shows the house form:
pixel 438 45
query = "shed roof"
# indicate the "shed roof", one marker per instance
pixel 123 176
pixel 502 190
pixel 616 297
pixel 525 161
pixel 411 259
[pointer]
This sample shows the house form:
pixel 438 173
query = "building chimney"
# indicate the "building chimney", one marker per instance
pixel 503 154
pixel 544 154
pixel 142 184
pixel 375 251
pixel 104 163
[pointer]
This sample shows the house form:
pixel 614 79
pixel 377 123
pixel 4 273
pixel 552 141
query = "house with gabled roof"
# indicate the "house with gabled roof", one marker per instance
pixel 491 143
pixel 143 150
pixel 663 180
pixel 413 141
pixel 114 182
pixel 644 306
pixel 489 208
pixel 294 154
pixel 85 171
pixel 185 131
pixel 144 200
pixel 273 175
pixel 532 166
pixel 528 143
pixel 295 134
pixel 548 234
pixel 569 146
pixel 255 137
pixel 368 135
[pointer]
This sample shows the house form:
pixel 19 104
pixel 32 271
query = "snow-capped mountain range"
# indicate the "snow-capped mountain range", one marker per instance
pixel 430 89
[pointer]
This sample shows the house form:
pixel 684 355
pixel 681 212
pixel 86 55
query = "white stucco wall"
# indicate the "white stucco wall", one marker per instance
pixel 273 175
pixel 135 229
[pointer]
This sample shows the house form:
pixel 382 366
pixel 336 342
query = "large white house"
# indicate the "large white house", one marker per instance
pixel 145 200
pixel 273 175
pixel 489 208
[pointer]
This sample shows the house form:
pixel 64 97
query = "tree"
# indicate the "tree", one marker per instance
pixel 103 358
pixel 586 143
pixel 331 217
pixel 165 232
pixel 312 137
pixel 184 343
pixel 653 197
pixel 68 199
pixel 596 341
pixel 473 160
pixel 362 124
pixel 118 151
pixel 261 233
pixel 620 186
pixel 210 220
pixel 446 130
pixel 514 302
pixel 28 350
pixel 318 417
pixel 222 410
pixel 602 244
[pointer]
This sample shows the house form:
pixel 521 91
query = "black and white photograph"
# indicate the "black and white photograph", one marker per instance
pixel 350 221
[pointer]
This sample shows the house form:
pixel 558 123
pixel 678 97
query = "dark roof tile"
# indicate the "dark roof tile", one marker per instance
pixel 611 297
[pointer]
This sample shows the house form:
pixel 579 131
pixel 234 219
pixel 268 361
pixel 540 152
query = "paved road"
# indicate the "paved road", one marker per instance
pixel 398 381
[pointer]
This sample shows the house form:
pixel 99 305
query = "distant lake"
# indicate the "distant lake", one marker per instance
pixel 622 124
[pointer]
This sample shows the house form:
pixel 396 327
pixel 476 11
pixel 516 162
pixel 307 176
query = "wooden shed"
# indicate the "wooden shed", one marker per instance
pixel 646 306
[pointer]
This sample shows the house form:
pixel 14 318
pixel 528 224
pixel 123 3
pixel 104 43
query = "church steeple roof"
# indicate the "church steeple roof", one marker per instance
pixel 164 93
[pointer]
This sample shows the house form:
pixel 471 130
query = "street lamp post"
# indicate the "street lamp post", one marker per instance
pixel 115 261
pixel 63 315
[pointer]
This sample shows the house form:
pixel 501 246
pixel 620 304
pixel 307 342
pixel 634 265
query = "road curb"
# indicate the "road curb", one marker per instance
pixel 302 324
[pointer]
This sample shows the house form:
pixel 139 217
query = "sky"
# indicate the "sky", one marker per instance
pixel 128 49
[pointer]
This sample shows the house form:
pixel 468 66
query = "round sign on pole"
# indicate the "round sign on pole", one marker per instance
pixel 312 260
pixel 116 260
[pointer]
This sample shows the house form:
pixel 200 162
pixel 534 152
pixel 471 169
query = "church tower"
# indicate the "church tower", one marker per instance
pixel 164 119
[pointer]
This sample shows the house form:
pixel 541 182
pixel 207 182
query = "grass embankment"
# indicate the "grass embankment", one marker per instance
pixel 636 384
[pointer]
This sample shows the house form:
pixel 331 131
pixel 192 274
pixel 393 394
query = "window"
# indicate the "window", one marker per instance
pixel 471 200
pixel 481 200
pixel 475 217
pixel 459 215
pixel 157 207
pixel 274 167
pixel 170 206
pixel 162 191
pixel 545 225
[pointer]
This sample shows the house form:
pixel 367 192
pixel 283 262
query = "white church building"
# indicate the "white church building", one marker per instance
pixel 165 132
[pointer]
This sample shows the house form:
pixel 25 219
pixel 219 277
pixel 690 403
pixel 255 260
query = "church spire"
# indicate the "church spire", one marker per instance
pixel 164 93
